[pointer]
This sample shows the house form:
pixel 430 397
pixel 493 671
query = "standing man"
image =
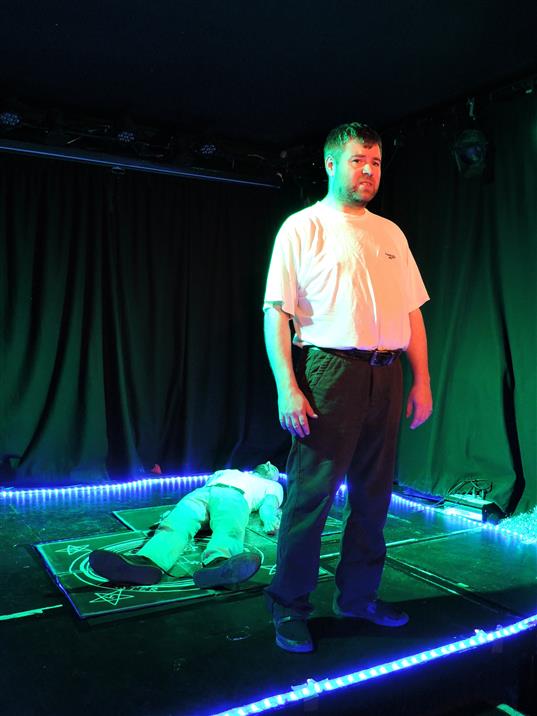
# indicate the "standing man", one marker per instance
pixel 348 281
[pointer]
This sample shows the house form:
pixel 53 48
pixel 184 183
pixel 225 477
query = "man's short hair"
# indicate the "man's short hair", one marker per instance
pixel 267 470
pixel 339 136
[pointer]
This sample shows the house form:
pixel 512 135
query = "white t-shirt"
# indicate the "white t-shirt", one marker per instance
pixel 348 281
pixel 255 488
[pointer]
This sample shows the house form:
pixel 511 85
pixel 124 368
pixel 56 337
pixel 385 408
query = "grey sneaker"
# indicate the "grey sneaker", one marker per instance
pixel 222 572
pixel 377 611
pixel 292 634
pixel 120 569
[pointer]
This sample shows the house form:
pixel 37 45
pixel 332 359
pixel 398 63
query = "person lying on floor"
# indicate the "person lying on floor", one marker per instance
pixel 224 504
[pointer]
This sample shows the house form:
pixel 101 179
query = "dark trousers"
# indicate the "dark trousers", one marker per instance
pixel 359 409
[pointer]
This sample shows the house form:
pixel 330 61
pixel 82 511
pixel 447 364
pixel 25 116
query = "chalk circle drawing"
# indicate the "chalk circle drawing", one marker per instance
pixel 178 581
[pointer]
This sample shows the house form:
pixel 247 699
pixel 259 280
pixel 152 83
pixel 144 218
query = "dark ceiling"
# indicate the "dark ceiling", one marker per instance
pixel 270 72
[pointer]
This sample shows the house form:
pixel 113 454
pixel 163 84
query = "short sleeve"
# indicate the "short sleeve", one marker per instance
pixel 281 288
pixel 416 291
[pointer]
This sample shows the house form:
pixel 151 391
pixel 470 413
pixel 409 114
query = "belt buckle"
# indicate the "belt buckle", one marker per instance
pixel 381 358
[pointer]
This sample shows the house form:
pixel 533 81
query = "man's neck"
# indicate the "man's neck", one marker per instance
pixel 334 203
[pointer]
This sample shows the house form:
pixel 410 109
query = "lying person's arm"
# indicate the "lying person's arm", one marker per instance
pixel 270 514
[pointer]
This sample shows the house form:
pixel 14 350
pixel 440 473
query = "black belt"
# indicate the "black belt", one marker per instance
pixel 375 358
pixel 231 487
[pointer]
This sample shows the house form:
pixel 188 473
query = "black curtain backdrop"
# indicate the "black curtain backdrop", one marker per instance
pixel 132 324
pixel 475 241
pixel 131 321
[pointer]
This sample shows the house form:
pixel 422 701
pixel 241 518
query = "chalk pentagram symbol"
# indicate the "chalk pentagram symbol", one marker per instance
pixel 113 597
pixel 74 549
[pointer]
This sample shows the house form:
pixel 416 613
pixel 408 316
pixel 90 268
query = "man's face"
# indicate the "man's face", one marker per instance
pixel 354 173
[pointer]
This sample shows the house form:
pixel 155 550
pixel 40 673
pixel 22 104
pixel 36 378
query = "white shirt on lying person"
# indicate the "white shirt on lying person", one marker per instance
pixel 255 488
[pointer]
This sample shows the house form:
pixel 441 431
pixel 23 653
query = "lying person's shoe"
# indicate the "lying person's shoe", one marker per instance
pixel 120 569
pixel 222 571
pixel 292 634
pixel 377 611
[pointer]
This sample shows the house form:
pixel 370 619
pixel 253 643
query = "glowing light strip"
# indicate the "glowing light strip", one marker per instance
pixel 490 526
pixel 313 688
pixel 116 488
pixel 104 488
pixel 469 514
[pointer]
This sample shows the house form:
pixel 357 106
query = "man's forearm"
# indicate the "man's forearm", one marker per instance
pixel 420 400
pixel 417 349
pixel 269 514
pixel 278 346
pixel 294 409
pixel 268 510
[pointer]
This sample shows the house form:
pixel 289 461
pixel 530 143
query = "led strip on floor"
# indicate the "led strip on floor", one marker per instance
pixel 490 526
pixel 113 489
pixel 117 489
pixel 313 688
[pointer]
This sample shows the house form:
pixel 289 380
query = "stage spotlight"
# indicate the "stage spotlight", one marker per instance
pixel 208 149
pixel 470 151
pixel 10 119
pixel 126 136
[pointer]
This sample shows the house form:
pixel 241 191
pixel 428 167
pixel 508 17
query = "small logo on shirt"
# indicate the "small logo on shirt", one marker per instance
pixel 390 256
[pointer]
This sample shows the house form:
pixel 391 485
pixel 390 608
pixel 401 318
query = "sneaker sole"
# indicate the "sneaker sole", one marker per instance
pixel 294 648
pixel 115 568
pixel 233 571
pixel 343 615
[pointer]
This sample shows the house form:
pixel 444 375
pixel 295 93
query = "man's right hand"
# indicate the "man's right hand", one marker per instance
pixel 294 410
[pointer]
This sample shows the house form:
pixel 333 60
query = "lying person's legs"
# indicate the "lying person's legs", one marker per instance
pixel 177 529
pixel 224 561
pixel 158 554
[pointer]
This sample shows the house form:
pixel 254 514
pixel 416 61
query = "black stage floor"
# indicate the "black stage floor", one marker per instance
pixel 71 642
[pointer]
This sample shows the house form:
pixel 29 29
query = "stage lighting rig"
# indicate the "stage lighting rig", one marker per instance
pixel 470 148
pixel 10 120
pixel 126 136
pixel 208 149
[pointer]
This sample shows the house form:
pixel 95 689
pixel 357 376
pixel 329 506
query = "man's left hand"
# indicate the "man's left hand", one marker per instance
pixel 271 526
pixel 419 404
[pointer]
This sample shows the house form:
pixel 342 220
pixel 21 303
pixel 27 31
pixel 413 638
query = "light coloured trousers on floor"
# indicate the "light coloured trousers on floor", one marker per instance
pixel 223 509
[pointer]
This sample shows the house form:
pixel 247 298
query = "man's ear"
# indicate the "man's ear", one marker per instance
pixel 329 164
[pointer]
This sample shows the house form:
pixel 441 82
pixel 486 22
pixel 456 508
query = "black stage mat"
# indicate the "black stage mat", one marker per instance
pixel 406 523
pixel 498 568
pixel 146 519
pixel 412 523
pixel 93 596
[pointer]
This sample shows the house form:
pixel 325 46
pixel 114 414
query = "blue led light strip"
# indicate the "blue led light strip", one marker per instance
pixel 118 488
pixel 112 488
pixel 490 526
pixel 313 688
